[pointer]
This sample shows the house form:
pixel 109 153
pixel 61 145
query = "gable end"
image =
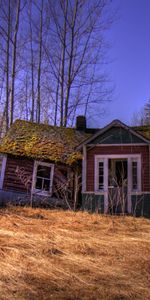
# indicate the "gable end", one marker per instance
pixel 117 135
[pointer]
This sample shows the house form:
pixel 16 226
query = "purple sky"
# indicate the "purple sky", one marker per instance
pixel 130 52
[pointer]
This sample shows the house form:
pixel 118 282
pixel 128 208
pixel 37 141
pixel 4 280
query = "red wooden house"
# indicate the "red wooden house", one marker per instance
pixel 116 170
pixel 115 164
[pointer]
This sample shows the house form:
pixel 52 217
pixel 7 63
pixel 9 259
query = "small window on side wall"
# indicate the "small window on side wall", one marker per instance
pixel 42 178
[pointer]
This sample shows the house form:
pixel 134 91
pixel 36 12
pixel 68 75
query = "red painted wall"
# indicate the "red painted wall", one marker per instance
pixel 143 150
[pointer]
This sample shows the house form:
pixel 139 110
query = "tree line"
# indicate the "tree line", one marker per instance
pixel 52 57
pixel 142 117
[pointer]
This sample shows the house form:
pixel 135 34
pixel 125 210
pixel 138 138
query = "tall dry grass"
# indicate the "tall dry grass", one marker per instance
pixel 65 255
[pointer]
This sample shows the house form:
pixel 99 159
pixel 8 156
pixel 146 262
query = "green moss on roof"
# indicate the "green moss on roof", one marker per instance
pixel 44 142
pixel 143 130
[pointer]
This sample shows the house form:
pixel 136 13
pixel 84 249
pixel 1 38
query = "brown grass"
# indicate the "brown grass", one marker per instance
pixel 64 255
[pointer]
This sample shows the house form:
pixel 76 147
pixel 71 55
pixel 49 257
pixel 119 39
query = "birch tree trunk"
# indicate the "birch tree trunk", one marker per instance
pixel 71 53
pixel 32 64
pixel 63 62
pixel 13 74
pixel 39 66
pixel 7 69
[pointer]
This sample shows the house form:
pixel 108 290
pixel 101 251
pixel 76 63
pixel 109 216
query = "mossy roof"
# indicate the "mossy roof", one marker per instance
pixel 143 130
pixel 43 142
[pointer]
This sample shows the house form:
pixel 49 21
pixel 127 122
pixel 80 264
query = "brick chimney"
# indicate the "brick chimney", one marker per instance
pixel 81 123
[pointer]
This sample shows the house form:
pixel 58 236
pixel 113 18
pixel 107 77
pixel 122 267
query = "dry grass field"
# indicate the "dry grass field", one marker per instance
pixel 46 254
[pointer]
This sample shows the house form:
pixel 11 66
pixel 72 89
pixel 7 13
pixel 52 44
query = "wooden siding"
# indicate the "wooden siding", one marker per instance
pixel 141 205
pixel 106 150
pixel 18 177
pixel 15 181
pixel 93 203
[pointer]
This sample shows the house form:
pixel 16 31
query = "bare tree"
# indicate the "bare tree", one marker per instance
pixel 7 67
pixel 13 74
pixel 53 52
pixel 32 62
pixel 143 116
pixel 147 113
pixel 5 46
pixel 75 55
pixel 39 64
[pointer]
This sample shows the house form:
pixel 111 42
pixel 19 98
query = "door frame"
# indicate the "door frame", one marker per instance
pixel 113 165
pixel 130 158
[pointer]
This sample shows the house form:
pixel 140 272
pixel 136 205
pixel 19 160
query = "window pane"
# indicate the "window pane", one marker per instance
pixel 43 178
pixel 39 183
pixel 101 175
pixel 43 171
pixel 134 175
pixel 42 184
pixel 46 185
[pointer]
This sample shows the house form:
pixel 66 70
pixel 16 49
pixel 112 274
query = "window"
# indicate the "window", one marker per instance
pixel 43 178
pixel 101 166
pixel 134 175
pixel 110 167
pixel 2 169
pixel 101 175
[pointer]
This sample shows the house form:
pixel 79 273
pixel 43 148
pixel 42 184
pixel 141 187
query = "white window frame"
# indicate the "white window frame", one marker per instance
pixel 2 175
pixel 38 191
pixel 138 161
pixel 105 158
pixel 99 159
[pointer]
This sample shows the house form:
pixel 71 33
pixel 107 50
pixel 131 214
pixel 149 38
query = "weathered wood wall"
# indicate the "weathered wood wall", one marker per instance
pixel 18 177
pixel 18 174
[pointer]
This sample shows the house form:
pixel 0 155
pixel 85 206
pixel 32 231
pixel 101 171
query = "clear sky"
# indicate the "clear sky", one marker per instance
pixel 130 52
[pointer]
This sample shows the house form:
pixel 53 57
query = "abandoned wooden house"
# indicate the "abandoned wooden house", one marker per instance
pixel 40 162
